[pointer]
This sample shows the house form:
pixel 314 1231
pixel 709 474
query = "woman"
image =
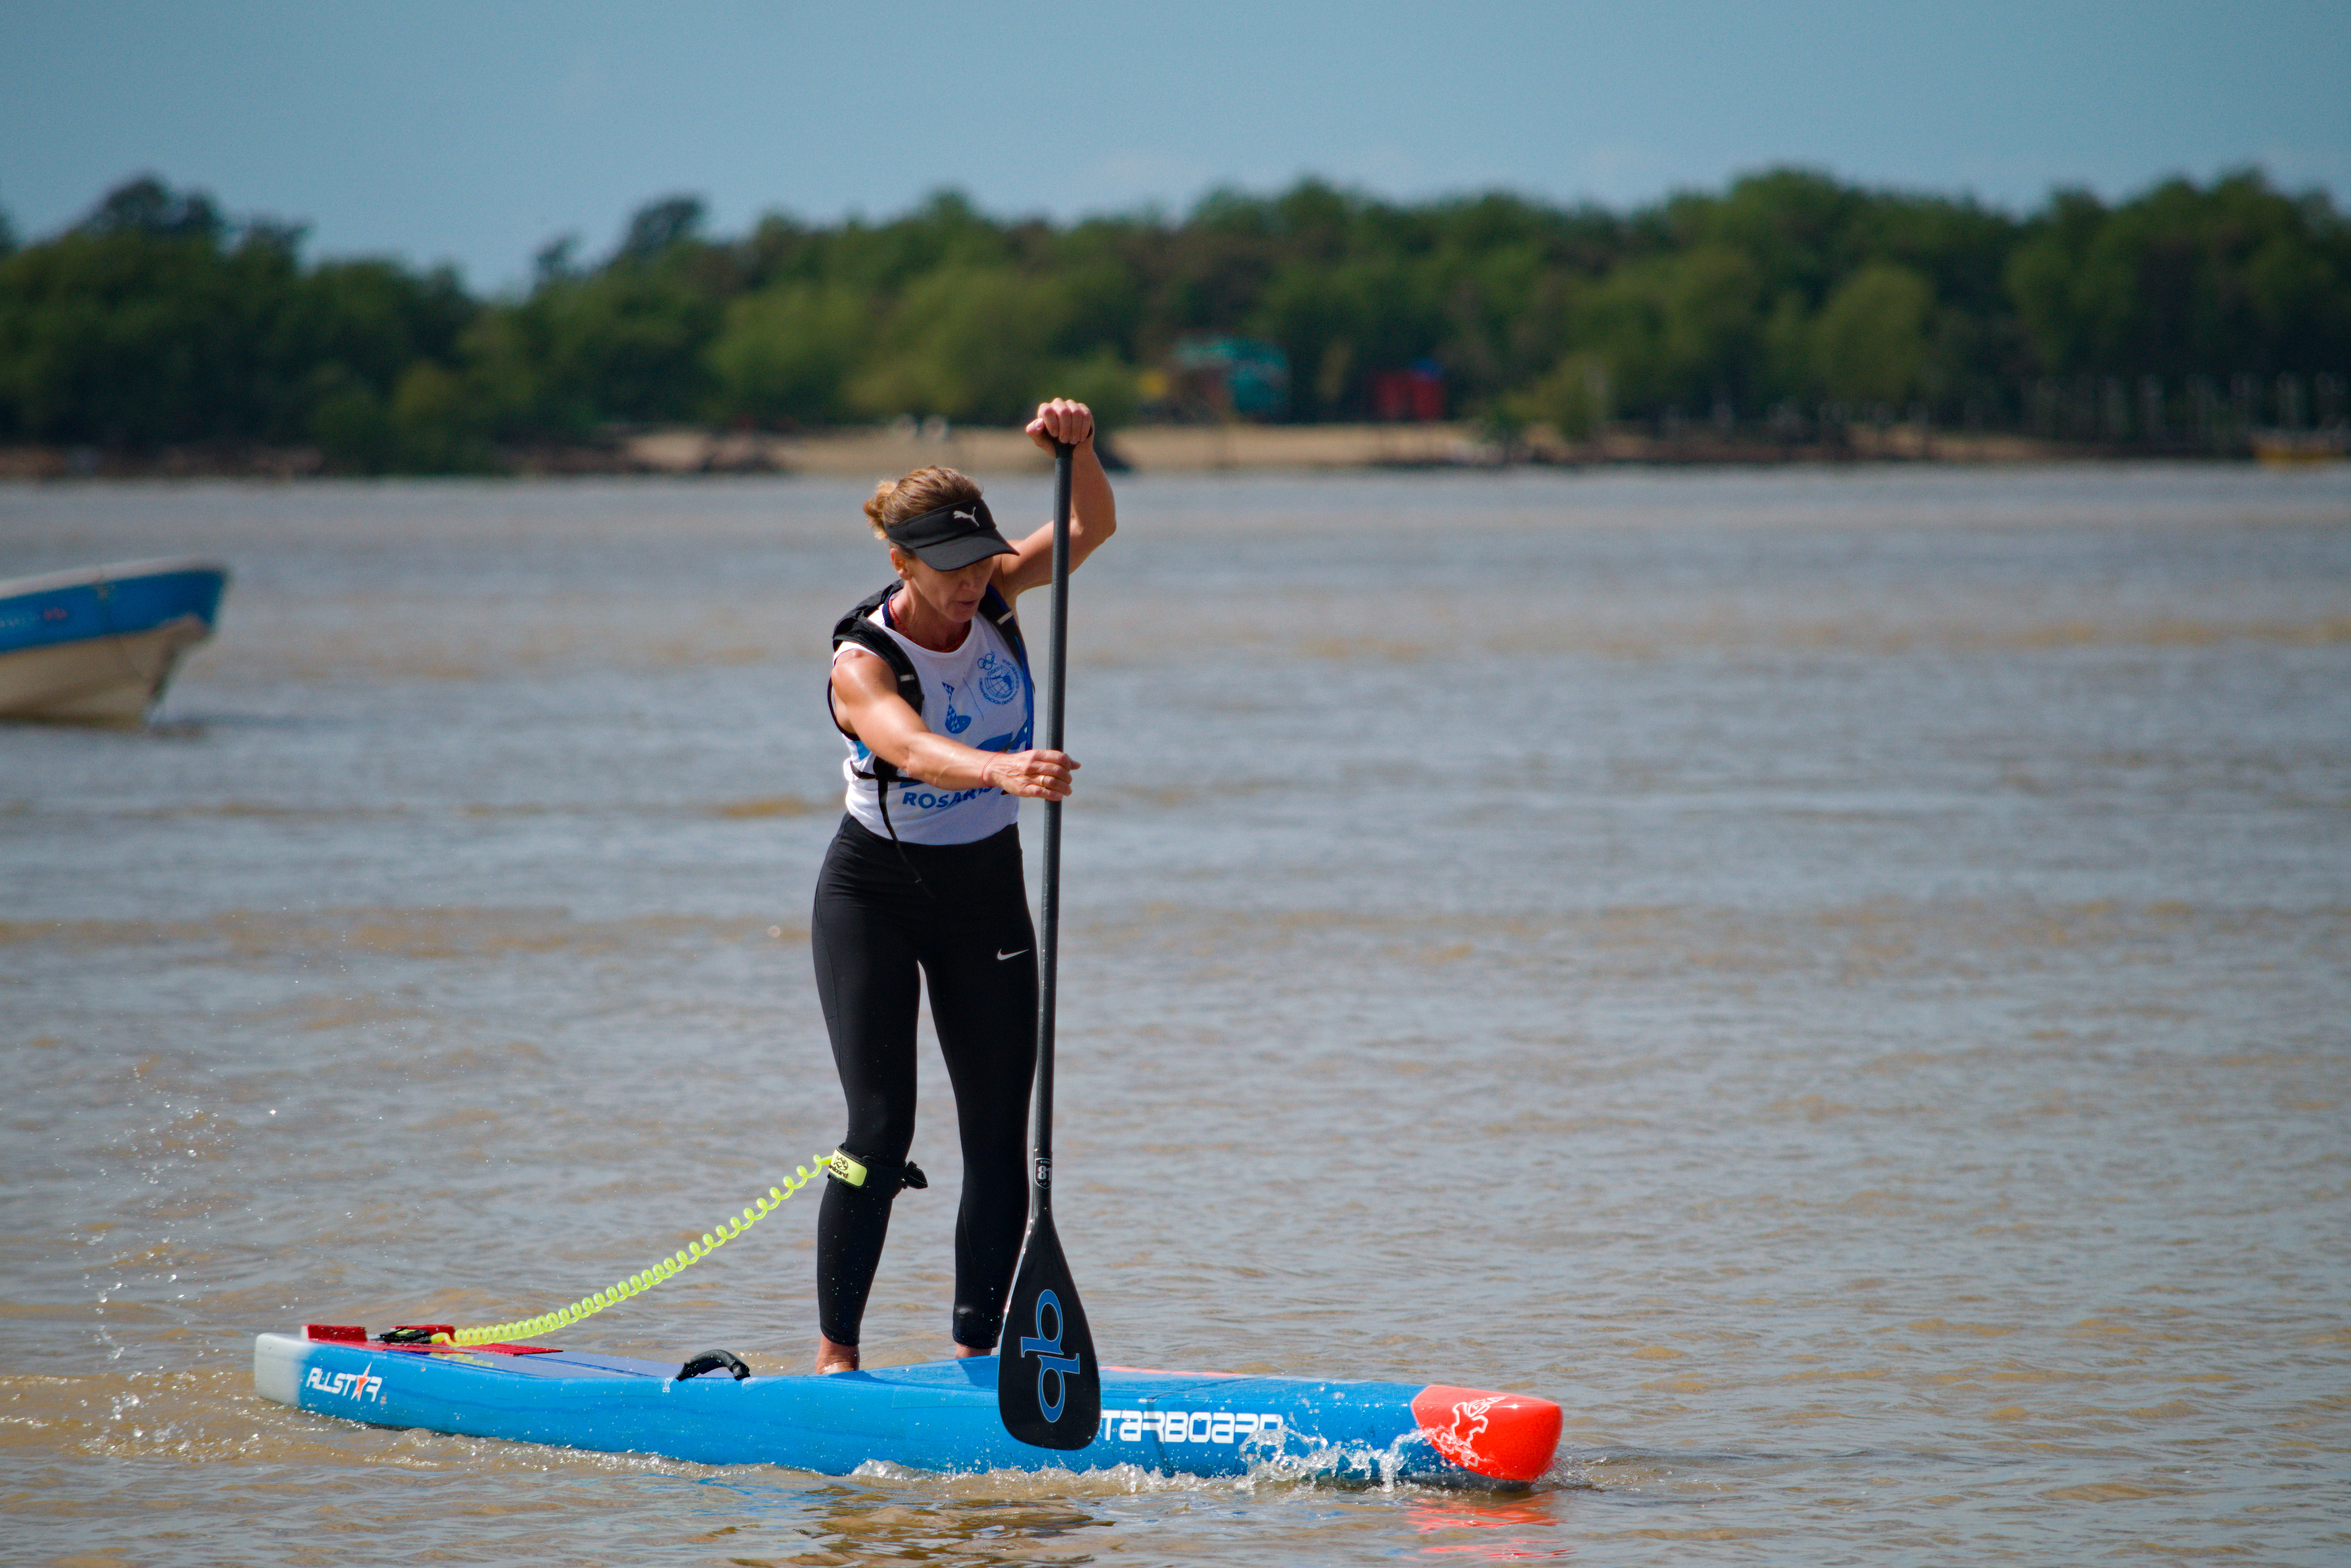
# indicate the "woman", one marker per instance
pixel 925 873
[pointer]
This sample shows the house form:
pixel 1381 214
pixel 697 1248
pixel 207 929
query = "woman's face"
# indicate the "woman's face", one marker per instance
pixel 954 594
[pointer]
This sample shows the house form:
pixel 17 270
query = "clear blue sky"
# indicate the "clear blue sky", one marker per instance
pixel 476 132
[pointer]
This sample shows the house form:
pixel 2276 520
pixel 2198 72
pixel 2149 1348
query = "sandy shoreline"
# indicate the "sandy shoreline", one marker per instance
pixel 1150 449
pixel 1258 448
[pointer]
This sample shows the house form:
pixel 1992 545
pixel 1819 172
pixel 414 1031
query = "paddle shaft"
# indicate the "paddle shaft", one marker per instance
pixel 1048 901
pixel 1048 1380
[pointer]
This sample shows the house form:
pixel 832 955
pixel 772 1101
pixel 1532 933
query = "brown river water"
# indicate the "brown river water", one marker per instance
pixel 1839 979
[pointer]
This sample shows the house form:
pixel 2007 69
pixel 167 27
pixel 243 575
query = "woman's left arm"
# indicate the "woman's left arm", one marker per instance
pixel 1094 511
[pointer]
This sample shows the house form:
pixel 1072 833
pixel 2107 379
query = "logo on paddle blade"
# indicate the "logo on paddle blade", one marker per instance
pixel 1050 1363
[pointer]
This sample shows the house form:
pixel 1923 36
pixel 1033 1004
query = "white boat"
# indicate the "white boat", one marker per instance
pixel 98 644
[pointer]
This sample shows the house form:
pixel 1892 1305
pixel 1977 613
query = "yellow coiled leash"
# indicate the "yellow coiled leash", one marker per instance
pixel 637 1284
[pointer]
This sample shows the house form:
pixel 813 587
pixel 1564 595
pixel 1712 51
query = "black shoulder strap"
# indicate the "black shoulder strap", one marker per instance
pixel 858 627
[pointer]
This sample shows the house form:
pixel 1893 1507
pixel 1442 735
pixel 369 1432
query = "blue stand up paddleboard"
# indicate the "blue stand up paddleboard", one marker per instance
pixel 938 1417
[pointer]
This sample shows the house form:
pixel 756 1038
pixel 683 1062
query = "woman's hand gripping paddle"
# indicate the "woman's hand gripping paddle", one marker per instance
pixel 1048 1384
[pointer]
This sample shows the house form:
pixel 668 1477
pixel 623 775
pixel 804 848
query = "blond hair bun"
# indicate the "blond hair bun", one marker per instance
pixel 924 490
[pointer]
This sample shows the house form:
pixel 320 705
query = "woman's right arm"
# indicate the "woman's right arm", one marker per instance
pixel 865 703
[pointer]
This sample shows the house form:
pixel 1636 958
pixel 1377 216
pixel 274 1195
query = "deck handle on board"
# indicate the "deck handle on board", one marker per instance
pixel 714 1361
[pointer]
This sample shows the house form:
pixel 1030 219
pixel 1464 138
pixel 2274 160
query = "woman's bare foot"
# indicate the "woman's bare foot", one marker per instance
pixel 831 1357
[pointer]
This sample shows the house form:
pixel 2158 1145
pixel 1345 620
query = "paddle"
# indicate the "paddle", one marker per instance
pixel 1048 1384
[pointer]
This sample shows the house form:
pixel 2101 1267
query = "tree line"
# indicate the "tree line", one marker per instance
pixel 157 319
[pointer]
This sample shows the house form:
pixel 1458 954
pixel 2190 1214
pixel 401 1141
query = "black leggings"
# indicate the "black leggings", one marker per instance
pixel 966 923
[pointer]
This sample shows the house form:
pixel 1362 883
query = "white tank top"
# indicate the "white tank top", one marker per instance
pixel 976 694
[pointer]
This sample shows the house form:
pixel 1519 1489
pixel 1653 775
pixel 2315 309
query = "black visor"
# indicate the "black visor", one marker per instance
pixel 954 536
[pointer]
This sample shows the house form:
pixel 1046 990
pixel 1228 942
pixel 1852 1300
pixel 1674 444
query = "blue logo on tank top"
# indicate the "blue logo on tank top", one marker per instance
pixel 1010 740
pixel 956 722
pixel 997 680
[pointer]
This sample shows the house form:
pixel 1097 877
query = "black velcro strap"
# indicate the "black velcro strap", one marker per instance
pixel 879 1176
pixel 415 1334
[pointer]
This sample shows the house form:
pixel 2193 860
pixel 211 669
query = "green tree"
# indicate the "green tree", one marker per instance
pixel 146 205
pixel 2183 280
pixel 350 424
pixel 970 345
pixel 1101 380
pixel 629 343
pixel 1874 342
pixel 358 324
pixel 144 326
pixel 1340 324
pixel 656 228
pixel 436 427
pixel 786 354
pixel 1678 329
pixel 1573 399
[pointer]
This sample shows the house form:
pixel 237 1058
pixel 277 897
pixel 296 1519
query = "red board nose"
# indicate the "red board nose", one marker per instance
pixel 1509 1436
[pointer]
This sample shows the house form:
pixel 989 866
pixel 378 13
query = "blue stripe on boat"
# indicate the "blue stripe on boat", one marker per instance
pixel 106 601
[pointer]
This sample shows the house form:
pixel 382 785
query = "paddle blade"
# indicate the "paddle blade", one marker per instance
pixel 1048 1384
